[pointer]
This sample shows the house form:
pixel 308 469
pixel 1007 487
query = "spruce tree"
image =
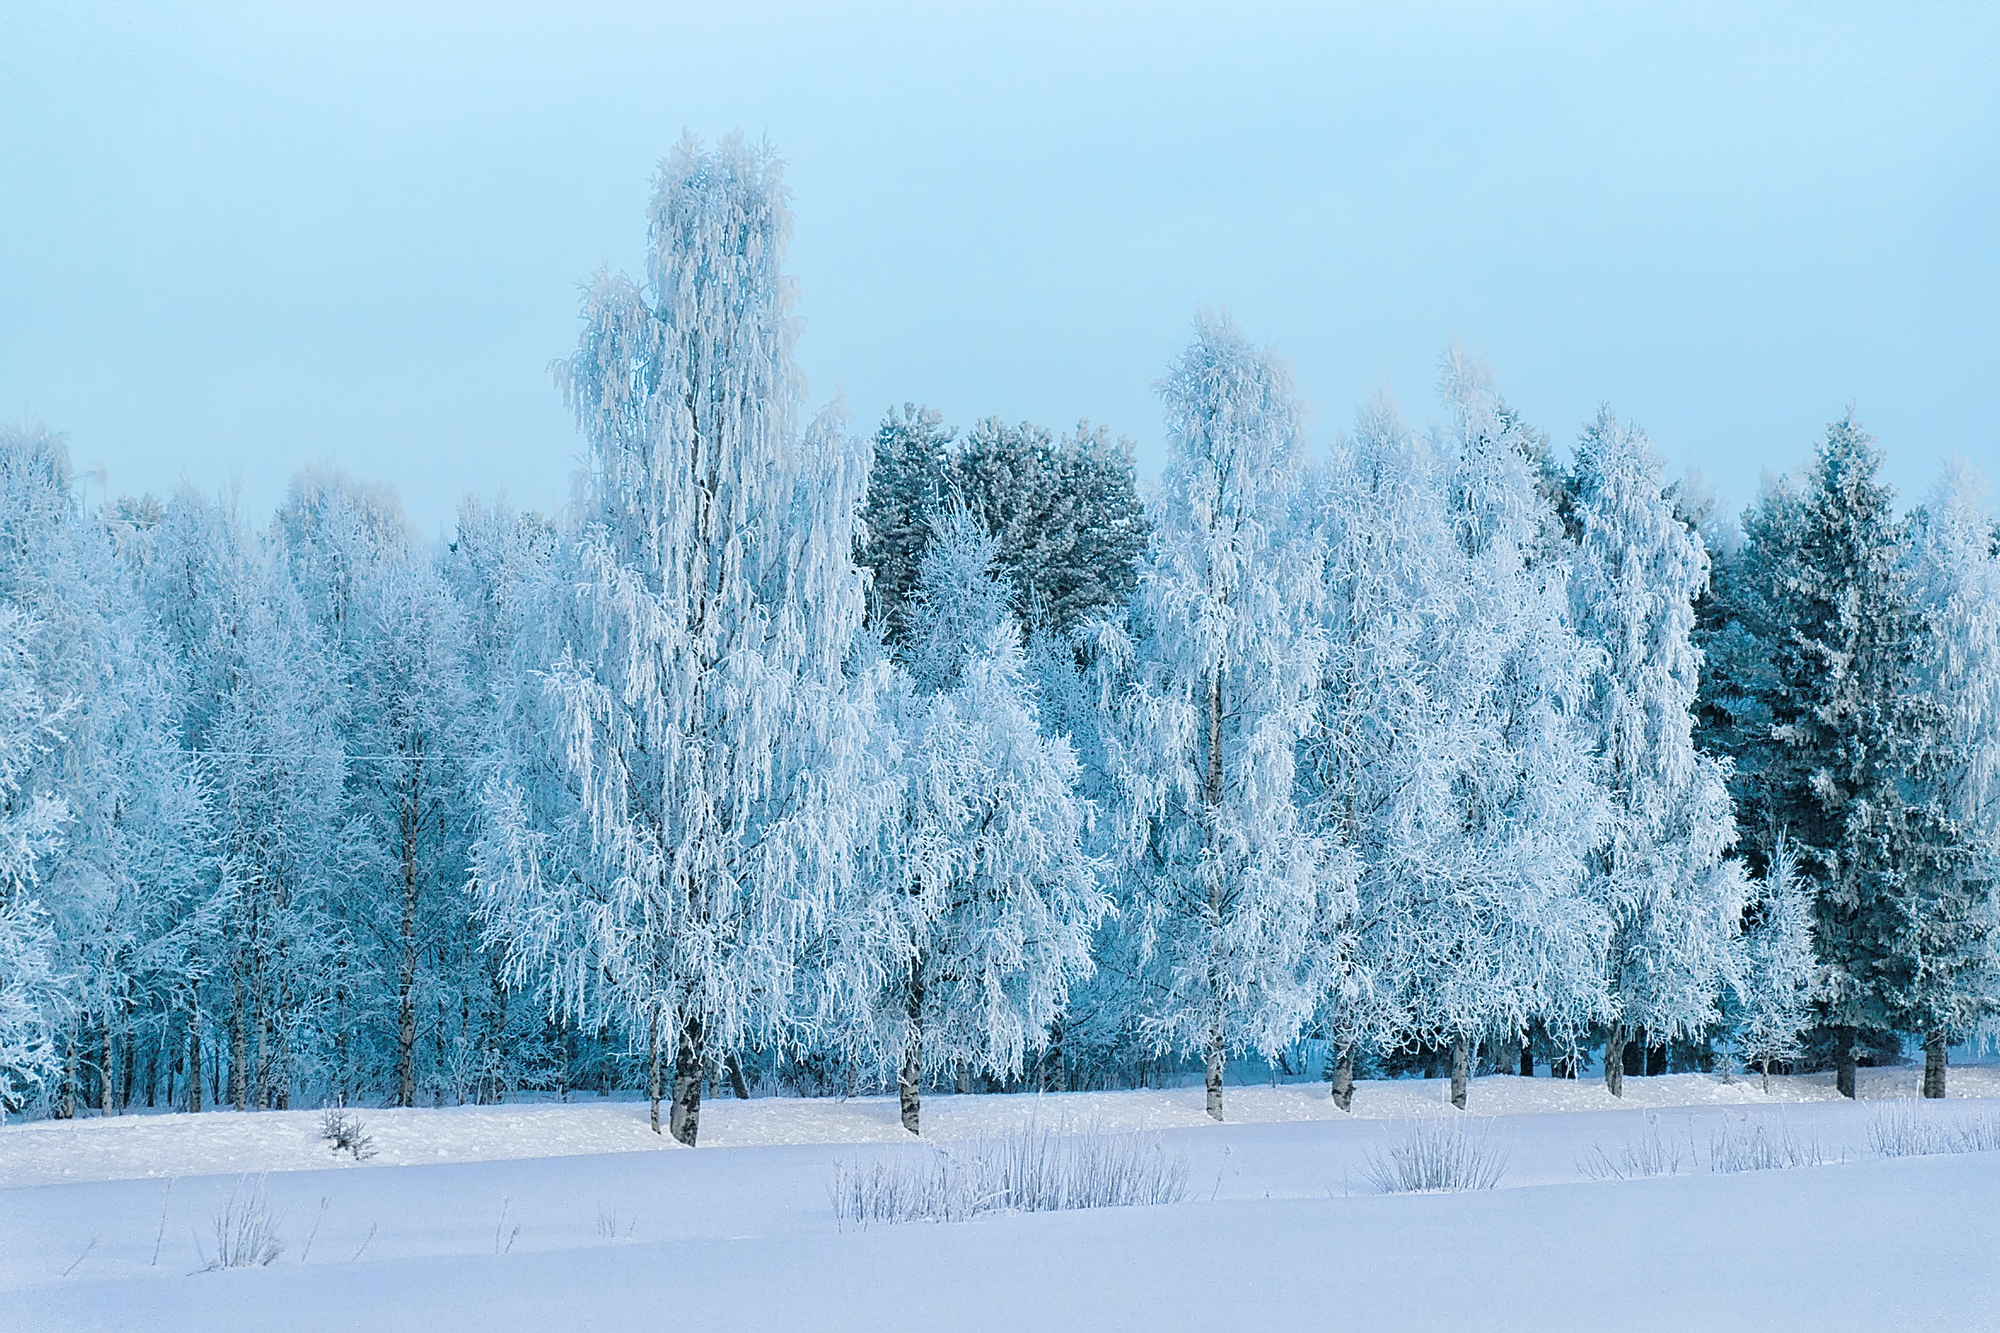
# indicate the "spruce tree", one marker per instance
pixel 1848 728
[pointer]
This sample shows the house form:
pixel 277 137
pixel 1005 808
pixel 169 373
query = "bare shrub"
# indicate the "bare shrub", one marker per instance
pixel 246 1230
pixel 1438 1154
pixel 1904 1128
pixel 1030 1170
pixel 1754 1146
pixel 345 1132
pixel 1653 1154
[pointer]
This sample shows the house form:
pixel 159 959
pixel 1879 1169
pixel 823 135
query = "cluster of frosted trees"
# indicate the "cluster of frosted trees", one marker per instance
pixel 948 762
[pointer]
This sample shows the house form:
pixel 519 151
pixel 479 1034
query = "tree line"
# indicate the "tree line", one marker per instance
pixel 950 759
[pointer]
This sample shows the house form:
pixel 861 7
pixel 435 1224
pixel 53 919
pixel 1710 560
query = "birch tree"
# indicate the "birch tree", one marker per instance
pixel 985 904
pixel 1236 912
pixel 705 713
pixel 1673 900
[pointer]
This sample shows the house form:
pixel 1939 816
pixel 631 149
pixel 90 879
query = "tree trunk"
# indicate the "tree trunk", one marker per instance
pixel 239 1052
pixel 1215 1072
pixel 1343 1080
pixel 1843 1061
pixel 734 1068
pixel 194 1058
pixel 406 970
pixel 653 1062
pixel 684 1119
pixel 1766 1062
pixel 1614 1061
pixel 1461 1070
pixel 909 1084
pixel 1528 1056
pixel 1934 1065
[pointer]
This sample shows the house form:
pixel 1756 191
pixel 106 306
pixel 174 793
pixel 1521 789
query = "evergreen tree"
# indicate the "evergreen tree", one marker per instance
pixel 905 490
pixel 1066 515
pixel 1848 727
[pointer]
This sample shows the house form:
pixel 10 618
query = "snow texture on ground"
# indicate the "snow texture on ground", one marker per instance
pixel 1280 1222
pixel 225 1142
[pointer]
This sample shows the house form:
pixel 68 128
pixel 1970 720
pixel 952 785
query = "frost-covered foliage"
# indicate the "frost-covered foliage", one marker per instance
pixel 1488 924
pixel 978 911
pixel 1774 969
pixel 1065 515
pixel 1674 901
pixel 1235 910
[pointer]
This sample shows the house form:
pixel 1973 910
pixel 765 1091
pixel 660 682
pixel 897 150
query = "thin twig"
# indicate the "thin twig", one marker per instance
pixel 81 1257
pixel 161 1234
pixel 364 1242
pixel 315 1231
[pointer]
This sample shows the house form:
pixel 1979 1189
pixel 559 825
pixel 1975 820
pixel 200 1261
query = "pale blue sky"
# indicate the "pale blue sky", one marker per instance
pixel 238 238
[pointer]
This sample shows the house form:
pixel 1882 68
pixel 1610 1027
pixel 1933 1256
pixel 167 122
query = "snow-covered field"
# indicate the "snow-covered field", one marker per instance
pixel 523 1216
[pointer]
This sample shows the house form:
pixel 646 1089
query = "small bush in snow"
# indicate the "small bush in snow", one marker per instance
pixel 1438 1154
pixel 1653 1155
pixel 1746 1146
pixel 345 1132
pixel 1903 1128
pixel 246 1230
pixel 1027 1171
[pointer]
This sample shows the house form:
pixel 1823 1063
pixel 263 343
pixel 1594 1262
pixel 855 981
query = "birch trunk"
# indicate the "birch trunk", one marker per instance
pixel 1212 797
pixel 1215 1071
pixel 1461 1070
pixel 684 1119
pixel 194 1058
pixel 733 1067
pixel 406 971
pixel 653 1063
pixel 909 1084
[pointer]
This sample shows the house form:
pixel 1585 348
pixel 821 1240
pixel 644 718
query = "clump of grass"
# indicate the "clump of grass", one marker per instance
pixel 1438 1154
pixel 1030 1170
pixel 344 1131
pixel 1654 1154
pixel 1754 1146
pixel 1901 1128
pixel 246 1230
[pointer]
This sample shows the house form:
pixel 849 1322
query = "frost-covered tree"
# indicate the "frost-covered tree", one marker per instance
pixel 706 719
pixel 1673 899
pixel 982 911
pixel 1848 726
pixel 1491 926
pixel 1393 581
pixel 109 759
pixel 30 830
pixel 1950 975
pixel 1774 968
pixel 1235 913
pixel 261 711
pixel 413 730
pixel 1065 513
pixel 905 491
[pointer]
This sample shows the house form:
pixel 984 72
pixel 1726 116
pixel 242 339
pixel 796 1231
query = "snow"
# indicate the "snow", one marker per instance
pixel 520 1216
pixel 126 1147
